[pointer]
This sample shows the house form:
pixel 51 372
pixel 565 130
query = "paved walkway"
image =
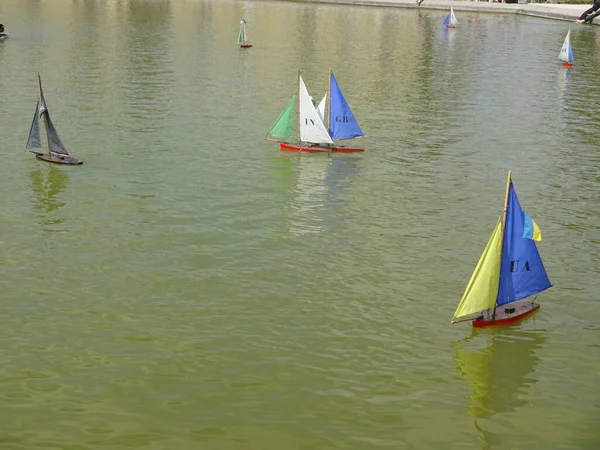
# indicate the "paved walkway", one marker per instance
pixel 546 10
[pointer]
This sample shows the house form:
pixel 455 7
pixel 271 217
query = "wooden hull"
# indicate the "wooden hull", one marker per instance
pixel 284 147
pixel 69 160
pixel 508 314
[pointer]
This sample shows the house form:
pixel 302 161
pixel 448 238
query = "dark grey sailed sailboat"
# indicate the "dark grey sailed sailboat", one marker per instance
pixel 3 35
pixel 55 150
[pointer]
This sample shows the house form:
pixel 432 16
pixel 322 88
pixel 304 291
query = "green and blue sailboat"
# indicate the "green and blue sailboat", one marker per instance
pixel 314 135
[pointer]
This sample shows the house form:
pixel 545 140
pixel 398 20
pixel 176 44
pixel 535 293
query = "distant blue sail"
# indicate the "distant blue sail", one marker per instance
pixel 342 124
pixel 522 272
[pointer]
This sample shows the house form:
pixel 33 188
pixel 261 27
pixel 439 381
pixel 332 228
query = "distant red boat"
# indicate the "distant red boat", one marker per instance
pixel 566 51
pixel 243 36
pixel 450 21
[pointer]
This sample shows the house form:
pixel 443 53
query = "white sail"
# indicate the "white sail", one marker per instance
pixel 321 107
pixel 312 128
pixel 564 51
pixel 453 20
pixel 243 34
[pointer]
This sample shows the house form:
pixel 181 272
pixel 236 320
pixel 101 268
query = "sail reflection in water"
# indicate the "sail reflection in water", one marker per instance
pixel 319 203
pixel 47 183
pixel 500 374
pixel 310 195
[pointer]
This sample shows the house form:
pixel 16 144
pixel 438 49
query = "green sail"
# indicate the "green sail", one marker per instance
pixel 283 127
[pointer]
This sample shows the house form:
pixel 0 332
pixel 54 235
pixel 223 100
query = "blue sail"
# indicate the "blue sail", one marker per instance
pixel 447 20
pixel 342 124
pixel 522 272
pixel 571 59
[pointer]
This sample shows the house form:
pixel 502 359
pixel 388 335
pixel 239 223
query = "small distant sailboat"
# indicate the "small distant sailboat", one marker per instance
pixel 3 35
pixel 566 51
pixel 243 36
pixel 55 150
pixel 314 135
pixel 450 21
pixel 508 272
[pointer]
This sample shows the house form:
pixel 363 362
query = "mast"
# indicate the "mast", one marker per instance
pixel 508 180
pixel 329 100
pixel 40 84
pixel 43 103
pixel 329 104
pixel 299 114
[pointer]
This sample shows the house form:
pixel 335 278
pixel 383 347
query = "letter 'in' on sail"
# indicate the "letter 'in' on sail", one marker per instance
pixel 509 271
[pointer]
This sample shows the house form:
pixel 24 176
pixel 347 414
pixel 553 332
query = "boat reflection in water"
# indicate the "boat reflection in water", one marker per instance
pixel 318 201
pixel 500 375
pixel 307 207
pixel 47 183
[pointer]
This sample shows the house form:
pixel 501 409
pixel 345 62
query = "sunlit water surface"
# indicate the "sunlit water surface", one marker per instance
pixel 191 287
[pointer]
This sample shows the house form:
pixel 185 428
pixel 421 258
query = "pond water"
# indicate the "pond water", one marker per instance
pixel 190 286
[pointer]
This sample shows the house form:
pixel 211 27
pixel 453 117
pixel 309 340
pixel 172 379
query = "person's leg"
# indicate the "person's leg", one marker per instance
pixel 591 16
pixel 584 15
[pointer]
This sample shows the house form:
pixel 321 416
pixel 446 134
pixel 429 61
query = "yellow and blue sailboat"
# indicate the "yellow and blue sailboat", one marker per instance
pixel 509 271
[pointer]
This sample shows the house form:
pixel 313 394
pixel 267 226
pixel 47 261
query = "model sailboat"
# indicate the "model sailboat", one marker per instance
pixel 55 150
pixel 314 135
pixel 450 21
pixel 3 35
pixel 566 51
pixel 509 271
pixel 243 36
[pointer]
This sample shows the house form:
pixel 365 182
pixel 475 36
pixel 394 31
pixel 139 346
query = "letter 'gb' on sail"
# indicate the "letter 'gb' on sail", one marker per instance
pixel 508 272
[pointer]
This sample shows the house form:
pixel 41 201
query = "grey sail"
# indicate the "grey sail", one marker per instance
pixel 54 143
pixel 34 141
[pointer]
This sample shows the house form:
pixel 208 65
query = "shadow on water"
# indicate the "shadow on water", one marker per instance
pixel 47 183
pixel 500 375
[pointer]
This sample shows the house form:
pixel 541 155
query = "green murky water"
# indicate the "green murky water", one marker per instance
pixel 190 287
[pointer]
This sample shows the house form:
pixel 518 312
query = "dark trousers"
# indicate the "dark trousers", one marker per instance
pixel 589 18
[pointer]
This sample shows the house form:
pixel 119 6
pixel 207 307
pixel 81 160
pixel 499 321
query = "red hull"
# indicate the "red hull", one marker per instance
pixel 567 64
pixel 450 26
pixel 503 318
pixel 245 45
pixel 317 148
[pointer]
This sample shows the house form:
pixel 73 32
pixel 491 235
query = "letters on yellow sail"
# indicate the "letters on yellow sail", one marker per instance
pixel 482 289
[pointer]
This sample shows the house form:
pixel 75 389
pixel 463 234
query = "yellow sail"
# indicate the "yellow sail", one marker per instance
pixel 482 289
